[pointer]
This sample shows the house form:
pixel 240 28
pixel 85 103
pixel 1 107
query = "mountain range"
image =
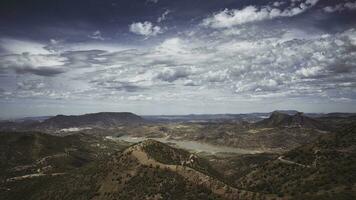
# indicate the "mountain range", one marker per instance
pixel 80 166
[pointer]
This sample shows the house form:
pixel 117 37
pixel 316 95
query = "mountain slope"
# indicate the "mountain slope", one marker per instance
pixel 23 154
pixel 142 170
pixel 138 172
pixel 104 119
pixel 324 169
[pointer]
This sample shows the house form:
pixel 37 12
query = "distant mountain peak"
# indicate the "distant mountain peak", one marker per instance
pixel 102 119
pixel 278 113
pixel 288 112
pixel 280 119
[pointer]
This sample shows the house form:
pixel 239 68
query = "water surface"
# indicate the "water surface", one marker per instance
pixel 191 145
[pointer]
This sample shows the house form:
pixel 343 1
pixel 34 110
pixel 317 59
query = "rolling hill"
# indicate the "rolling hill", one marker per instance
pixel 32 162
pixel 81 166
pixel 324 169
pixel 147 170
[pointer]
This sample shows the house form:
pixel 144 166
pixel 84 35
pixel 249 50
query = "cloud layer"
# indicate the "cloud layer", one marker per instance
pixel 341 7
pixel 240 60
pixel 229 18
pixel 274 67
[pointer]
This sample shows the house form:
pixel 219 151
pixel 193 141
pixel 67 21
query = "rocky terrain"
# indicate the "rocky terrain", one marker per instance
pixel 289 155
pixel 147 170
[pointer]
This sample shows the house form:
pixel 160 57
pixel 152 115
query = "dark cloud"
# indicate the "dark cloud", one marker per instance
pixel 83 59
pixel 40 71
pixel 171 75
pixel 114 85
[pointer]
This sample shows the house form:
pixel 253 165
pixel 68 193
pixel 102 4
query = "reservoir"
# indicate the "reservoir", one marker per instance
pixel 190 145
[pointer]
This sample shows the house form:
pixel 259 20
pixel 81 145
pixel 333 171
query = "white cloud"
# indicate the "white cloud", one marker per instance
pixel 173 46
pixel 15 46
pixel 171 75
pixel 350 5
pixel 53 41
pixel 163 17
pixel 152 1
pixel 229 18
pixel 139 97
pixel 96 35
pixel 251 64
pixel 146 29
pixel 31 57
pixel 310 72
pixel 340 7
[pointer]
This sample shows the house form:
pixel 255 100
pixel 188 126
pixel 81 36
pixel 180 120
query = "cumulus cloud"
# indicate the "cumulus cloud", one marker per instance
pixel 50 59
pixel 16 46
pixel 42 65
pixel 28 57
pixel 251 64
pixel 171 75
pixel 310 72
pixel 263 68
pixel 217 76
pixel 255 69
pixel 145 28
pixel 232 17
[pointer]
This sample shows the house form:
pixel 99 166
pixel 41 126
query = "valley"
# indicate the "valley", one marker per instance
pixel 283 156
pixel 194 146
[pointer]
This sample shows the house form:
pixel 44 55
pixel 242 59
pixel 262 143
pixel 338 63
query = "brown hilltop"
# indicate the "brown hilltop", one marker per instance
pixel 150 164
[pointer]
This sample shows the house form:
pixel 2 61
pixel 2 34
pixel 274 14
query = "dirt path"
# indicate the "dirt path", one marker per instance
pixel 281 159
pixel 196 177
pixel 44 159
pixel 29 176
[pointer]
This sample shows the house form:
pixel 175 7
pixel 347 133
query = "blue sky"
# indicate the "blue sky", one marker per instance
pixel 176 57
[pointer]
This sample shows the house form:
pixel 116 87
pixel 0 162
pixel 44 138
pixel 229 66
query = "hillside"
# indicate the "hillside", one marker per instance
pixel 32 163
pixel 324 169
pixel 153 170
pixel 147 170
pixel 245 136
pixel 38 153
pixel 104 119
pixel 80 166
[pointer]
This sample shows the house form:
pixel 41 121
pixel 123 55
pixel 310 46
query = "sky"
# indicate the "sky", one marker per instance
pixel 155 57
